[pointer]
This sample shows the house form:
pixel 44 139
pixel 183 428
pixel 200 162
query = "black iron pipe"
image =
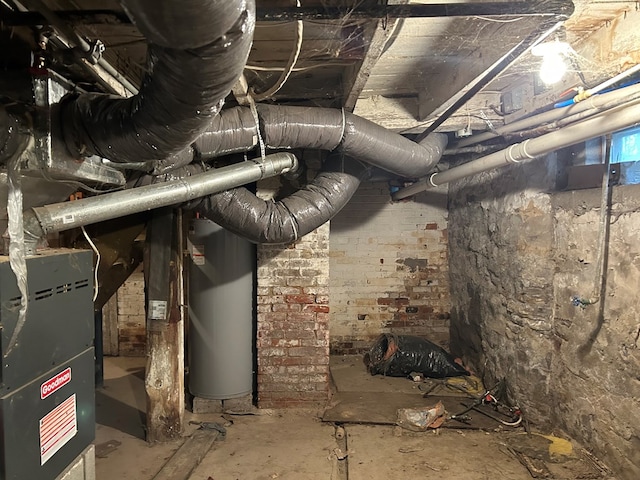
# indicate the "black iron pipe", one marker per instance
pixel 522 8
pixel 547 27
pixel 272 14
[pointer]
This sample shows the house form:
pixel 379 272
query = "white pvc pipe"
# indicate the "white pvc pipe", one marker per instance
pixel 595 102
pixel 608 122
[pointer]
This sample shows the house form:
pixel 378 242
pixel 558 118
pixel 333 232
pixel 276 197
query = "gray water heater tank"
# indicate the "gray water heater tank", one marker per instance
pixel 221 299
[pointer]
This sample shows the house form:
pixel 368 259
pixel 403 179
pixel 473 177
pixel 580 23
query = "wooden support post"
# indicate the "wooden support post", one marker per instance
pixel 164 381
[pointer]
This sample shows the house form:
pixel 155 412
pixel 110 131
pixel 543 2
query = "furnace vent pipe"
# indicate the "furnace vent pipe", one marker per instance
pixel 608 122
pixel 197 51
pixel 593 103
pixel 325 129
pixel 63 216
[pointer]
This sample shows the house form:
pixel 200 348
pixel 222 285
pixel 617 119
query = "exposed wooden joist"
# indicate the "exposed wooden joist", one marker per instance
pixel 453 104
pixel 356 77
pixel 399 114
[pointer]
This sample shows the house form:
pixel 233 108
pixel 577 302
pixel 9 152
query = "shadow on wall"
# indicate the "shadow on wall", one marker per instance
pixel 356 216
pixel 429 198
pixel 432 198
pixel 466 337
pixel 539 175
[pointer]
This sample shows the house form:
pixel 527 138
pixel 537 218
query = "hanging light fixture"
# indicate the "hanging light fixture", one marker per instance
pixel 554 65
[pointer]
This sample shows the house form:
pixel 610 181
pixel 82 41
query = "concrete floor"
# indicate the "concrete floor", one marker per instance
pixel 298 445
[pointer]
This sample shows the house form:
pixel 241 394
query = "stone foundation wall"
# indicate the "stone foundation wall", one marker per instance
pixel 519 255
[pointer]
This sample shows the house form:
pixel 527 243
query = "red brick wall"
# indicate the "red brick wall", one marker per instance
pixel 132 333
pixel 293 322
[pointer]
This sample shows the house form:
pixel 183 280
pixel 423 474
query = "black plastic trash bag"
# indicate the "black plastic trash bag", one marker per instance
pixel 399 355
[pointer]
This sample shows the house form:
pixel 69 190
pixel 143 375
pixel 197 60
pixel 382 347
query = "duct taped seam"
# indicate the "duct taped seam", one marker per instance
pixel 284 221
pixel 196 53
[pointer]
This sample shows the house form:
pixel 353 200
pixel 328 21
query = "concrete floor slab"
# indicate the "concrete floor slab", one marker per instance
pixel 379 452
pixel 121 451
pixel 349 374
pixel 283 445
pixel 297 445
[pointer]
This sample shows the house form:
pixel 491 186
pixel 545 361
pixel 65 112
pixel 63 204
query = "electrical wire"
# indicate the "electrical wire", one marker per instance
pixel 96 286
pixel 76 183
pixel 293 58
pixel 259 68
pixel 495 20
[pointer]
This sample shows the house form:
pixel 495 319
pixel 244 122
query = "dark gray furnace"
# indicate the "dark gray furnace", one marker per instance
pixel 47 404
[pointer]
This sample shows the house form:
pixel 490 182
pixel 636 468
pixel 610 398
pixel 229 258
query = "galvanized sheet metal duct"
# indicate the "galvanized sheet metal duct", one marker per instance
pixel 191 186
pixel 197 51
pixel 10 140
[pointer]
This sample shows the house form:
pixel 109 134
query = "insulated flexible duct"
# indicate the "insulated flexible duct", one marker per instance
pixel 286 220
pixel 235 130
pixel 197 51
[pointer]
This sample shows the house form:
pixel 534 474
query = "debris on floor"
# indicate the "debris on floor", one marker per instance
pixel 401 355
pixel 421 419
pixel 536 467
pixel 104 449
pixel 360 423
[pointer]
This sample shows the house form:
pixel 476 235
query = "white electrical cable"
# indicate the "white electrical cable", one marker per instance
pixel 96 286
pixel 259 68
pixel 254 113
pixel 495 20
pixel 293 58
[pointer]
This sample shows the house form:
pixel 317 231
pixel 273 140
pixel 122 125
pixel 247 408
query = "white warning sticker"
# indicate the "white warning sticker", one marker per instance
pixel 157 309
pixel 58 427
pixel 197 254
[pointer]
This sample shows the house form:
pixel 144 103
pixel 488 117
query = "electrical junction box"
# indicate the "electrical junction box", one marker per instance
pixel 47 390
pixel 513 100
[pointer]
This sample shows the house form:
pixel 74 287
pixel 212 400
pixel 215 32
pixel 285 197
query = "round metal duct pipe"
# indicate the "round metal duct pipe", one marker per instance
pixel 221 300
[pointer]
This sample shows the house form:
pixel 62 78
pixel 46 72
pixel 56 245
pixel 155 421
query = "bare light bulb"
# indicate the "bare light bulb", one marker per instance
pixel 553 65
pixel 553 68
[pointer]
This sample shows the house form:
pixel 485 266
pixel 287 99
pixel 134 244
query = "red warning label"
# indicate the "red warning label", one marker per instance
pixel 55 383
pixel 58 427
